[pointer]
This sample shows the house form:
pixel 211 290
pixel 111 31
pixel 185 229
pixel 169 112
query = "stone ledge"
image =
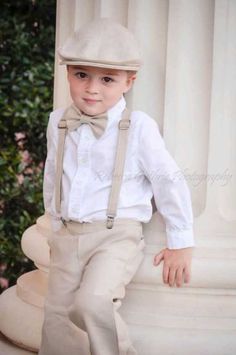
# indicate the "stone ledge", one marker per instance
pixel 7 348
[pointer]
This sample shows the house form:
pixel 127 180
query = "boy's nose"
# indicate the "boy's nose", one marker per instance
pixel 92 86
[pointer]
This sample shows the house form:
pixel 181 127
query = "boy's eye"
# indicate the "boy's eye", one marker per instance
pixel 107 79
pixel 81 75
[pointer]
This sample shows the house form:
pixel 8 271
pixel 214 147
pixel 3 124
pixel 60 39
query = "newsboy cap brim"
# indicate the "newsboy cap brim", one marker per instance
pixel 102 43
pixel 109 65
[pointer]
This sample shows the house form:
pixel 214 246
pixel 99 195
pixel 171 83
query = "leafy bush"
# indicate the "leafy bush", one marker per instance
pixel 27 31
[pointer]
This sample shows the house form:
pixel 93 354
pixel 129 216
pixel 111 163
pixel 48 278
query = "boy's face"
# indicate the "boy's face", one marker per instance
pixel 95 90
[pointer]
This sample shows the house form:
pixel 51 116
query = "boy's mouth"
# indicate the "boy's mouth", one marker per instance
pixel 91 101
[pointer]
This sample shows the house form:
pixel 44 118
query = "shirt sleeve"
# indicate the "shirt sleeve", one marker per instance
pixel 50 168
pixel 170 190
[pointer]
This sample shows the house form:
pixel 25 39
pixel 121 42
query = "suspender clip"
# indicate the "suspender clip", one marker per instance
pixel 124 124
pixel 110 221
pixel 62 124
pixel 63 222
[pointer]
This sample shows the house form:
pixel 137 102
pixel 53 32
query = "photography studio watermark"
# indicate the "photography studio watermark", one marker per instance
pixel 193 178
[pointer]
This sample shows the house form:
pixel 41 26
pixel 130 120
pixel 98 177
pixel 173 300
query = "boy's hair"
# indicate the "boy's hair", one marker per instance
pixel 102 43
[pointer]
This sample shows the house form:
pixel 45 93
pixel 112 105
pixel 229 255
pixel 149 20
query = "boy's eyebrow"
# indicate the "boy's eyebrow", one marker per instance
pixel 113 74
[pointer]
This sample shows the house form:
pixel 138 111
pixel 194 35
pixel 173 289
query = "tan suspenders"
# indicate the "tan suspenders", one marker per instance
pixel 62 126
pixel 118 171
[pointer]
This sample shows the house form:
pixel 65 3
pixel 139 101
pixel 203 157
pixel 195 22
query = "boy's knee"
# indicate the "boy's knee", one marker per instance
pixel 88 306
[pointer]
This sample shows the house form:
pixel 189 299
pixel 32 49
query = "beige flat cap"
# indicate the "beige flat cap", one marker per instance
pixel 102 43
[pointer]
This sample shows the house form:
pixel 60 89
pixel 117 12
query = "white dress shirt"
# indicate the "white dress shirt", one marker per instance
pixel 149 170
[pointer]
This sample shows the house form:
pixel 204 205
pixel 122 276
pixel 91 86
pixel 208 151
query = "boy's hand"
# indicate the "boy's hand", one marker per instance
pixel 177 265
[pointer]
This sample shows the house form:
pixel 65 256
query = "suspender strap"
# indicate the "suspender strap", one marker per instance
pixel 119 168
pixel 62 126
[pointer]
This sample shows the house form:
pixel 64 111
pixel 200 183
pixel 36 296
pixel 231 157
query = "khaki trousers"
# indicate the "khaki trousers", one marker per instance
pixel 89 268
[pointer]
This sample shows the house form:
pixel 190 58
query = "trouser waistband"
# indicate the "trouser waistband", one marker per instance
pixel 94 226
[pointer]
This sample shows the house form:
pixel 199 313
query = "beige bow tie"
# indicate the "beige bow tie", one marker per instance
pixel 74 118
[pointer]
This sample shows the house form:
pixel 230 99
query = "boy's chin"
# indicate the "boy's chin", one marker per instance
pixel 92 113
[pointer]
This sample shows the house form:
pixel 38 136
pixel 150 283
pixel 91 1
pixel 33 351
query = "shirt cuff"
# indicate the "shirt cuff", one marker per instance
pixel 178 239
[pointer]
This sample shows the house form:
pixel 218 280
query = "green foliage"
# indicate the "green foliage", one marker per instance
pixel 26 87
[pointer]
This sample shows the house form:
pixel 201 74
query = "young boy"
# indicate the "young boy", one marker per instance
pixel 103 166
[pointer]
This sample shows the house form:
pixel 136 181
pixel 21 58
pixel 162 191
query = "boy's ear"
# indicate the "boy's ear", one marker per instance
pixel 133 78
pixel 130 80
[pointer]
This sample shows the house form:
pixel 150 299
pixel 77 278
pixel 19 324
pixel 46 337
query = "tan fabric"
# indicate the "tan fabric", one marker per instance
pixel 89 268
pixel 68 122
pixel 74 118
pixel 102 43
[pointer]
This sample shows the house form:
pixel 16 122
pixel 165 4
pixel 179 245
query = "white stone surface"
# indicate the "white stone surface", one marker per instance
pixel 20 321
pixel 8 348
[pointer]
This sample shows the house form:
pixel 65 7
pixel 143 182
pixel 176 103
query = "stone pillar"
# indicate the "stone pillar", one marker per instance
pixel 188 85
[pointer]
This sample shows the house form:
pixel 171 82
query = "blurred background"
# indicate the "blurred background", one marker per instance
pixel 27 45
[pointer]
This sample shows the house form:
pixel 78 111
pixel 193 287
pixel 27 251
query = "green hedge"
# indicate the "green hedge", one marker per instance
pixel 27 42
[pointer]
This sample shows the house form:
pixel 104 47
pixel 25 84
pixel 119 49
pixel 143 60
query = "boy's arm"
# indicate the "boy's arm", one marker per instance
pixel 173 201
pixel 49 169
